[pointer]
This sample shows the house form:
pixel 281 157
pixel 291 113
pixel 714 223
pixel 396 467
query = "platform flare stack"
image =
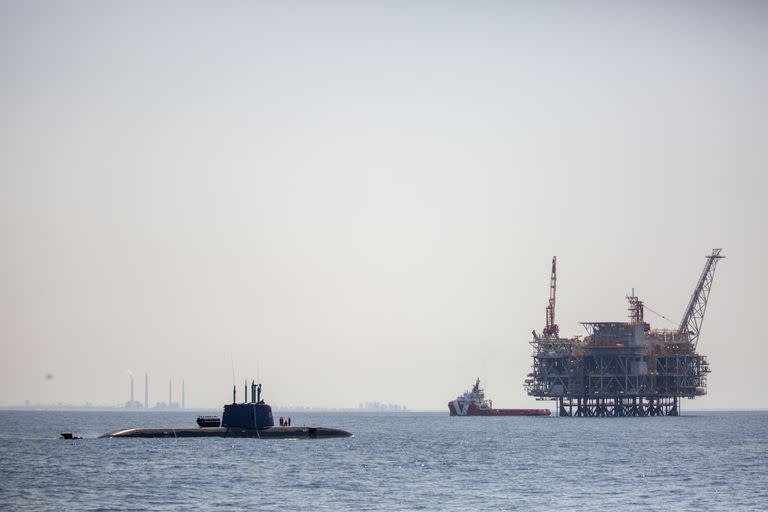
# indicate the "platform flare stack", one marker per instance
pixel 623 368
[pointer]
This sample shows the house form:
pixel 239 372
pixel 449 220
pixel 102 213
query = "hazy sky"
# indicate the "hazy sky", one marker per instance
pixel 359 201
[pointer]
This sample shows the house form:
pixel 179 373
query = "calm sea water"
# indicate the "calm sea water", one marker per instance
pixel 409 461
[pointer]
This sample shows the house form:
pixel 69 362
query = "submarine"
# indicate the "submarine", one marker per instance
pixel 247 419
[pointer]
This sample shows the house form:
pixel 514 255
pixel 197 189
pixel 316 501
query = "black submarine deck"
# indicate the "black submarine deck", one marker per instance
pixel 262 433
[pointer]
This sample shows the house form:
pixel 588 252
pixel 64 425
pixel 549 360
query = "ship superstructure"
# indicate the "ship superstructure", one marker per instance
pixel 623 368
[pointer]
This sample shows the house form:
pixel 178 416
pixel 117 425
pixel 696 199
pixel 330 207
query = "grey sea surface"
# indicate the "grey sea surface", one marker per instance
pixel 395 461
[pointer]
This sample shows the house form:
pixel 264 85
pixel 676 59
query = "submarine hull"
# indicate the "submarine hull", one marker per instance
pixel 252 419
pixel 262 433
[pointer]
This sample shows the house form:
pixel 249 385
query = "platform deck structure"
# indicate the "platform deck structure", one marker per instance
pixel 623 368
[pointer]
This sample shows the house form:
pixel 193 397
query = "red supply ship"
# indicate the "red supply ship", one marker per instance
pixel 473 403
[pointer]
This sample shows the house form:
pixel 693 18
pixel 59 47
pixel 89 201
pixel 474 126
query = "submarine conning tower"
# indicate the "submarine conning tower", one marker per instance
pixel 254 414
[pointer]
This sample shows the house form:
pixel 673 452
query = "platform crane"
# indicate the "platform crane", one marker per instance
pixel 694 313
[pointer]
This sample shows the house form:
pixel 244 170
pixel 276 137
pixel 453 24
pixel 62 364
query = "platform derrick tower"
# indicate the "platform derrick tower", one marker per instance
pixel 623 368
pixel 555 363
pixel 551 329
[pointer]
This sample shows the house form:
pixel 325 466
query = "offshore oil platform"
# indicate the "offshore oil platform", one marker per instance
pixel 622 368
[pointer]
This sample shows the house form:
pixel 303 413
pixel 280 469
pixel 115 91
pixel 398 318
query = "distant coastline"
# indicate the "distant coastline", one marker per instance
pixel 120 408
pixel 294 408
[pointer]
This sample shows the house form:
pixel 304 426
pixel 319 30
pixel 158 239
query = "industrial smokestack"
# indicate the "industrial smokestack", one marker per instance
pixel 131 390
pixel 146 391
pixel 170 392
pixel 182 394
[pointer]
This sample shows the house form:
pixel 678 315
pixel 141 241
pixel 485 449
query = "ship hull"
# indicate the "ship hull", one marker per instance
pixel 456 409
